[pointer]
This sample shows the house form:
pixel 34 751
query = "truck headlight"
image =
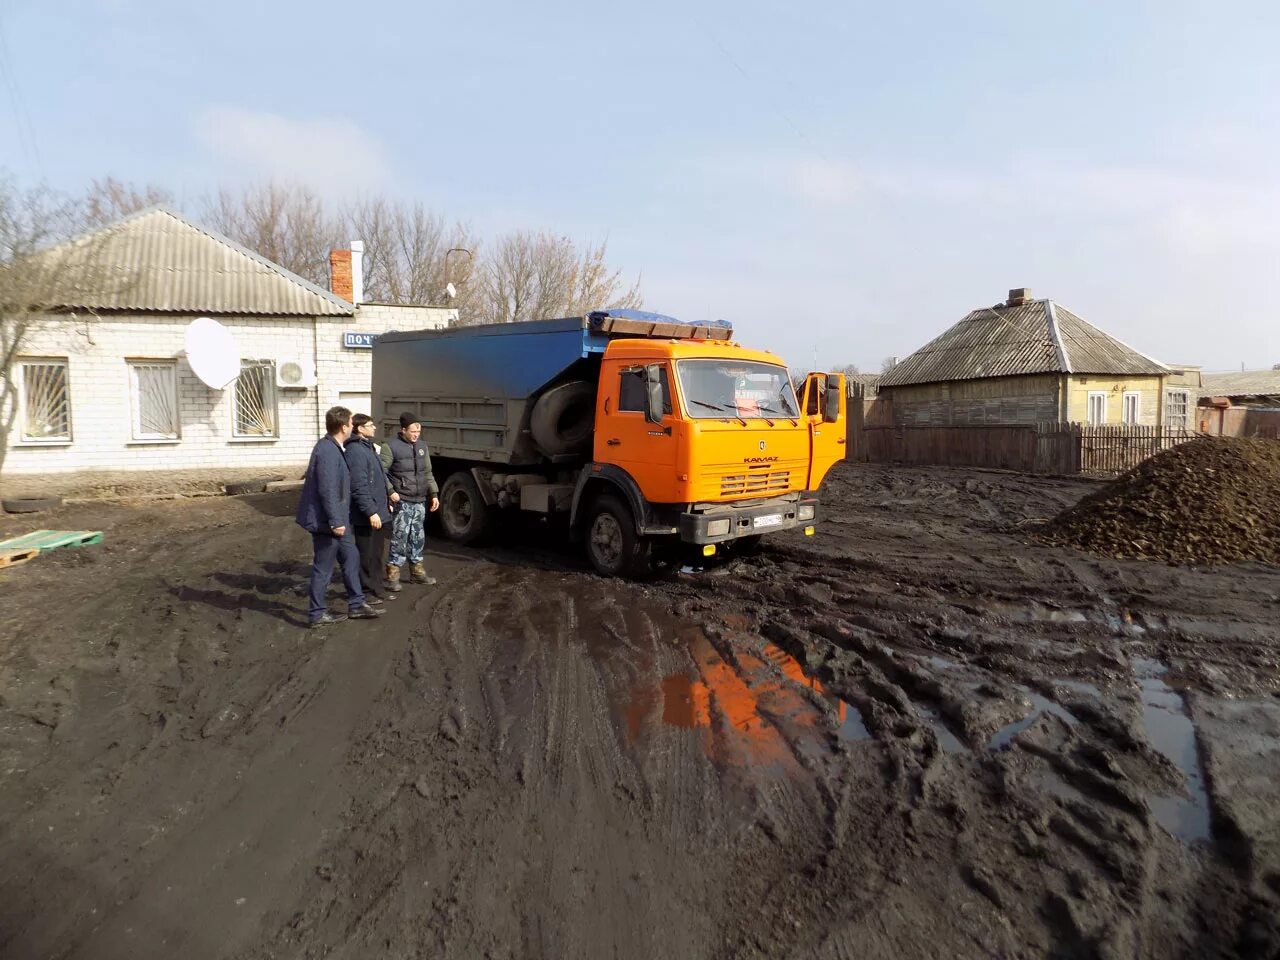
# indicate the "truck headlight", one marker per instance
pixel 718 528
pixel 805 511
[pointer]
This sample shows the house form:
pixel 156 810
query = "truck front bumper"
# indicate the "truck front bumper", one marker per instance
pixel 718 523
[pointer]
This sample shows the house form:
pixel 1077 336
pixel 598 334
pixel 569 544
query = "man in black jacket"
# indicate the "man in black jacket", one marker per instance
pixel 408 466
pixel 370 509
pixel 324 509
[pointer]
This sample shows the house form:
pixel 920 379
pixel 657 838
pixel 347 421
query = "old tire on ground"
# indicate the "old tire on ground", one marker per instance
pixel 30 504
pixel 563 419
pixel 464 515
pixel 256 485
pixel 613 546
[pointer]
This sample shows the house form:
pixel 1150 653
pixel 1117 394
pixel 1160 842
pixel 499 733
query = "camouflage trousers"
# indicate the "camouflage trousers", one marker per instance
pixel 408 533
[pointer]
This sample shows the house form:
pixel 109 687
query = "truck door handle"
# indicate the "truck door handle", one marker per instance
pixel 613 443
pixel 842 440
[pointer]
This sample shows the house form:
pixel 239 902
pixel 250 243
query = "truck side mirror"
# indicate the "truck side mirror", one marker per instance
pixel 831 404
pixel 653 393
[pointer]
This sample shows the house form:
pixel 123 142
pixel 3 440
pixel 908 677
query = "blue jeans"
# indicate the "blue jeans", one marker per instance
pixel 328 548
pixel 408 533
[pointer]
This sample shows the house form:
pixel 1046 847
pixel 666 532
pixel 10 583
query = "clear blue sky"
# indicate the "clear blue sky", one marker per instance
pixel 850 177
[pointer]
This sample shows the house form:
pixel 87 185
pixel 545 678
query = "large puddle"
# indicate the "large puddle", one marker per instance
pixel 1170 731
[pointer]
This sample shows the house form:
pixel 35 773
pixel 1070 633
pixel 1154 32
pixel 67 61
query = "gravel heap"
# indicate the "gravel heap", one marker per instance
pixel 1212 500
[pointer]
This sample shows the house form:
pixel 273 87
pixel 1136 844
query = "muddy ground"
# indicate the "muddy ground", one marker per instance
pixel 918 734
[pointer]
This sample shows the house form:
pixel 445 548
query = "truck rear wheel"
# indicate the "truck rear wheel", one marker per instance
pixel 613 546
pixel 465 516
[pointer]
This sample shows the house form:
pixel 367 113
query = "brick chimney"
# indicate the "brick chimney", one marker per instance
pixel 340 274
pixel 1018 296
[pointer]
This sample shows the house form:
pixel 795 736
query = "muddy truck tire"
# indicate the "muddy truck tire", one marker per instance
pixel 613 546
pixel 30 504
pixel 563 419
pixel 464 515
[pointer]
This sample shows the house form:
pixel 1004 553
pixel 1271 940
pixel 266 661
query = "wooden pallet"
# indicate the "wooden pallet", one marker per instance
pixel 11 558
pixel 52 539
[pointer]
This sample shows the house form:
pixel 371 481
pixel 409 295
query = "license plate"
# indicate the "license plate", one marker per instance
pixel 769 520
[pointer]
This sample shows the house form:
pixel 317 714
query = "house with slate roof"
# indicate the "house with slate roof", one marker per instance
pixel 1028 361
pixel 103 383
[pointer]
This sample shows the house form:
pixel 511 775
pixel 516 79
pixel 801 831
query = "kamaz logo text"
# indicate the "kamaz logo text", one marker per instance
pixel 759 459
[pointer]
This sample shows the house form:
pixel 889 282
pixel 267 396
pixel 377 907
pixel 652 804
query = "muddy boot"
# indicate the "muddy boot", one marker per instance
pixel 418 574
pixel 393 579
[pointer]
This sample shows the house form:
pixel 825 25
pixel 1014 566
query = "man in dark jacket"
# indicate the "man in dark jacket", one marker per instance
pixel 370 509
pixel 408 466
pixel 324 510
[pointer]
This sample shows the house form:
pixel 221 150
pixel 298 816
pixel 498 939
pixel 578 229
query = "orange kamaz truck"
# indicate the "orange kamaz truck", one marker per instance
pixel 649 436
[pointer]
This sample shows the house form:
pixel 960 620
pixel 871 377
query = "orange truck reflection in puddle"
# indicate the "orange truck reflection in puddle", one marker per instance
pixel 766 720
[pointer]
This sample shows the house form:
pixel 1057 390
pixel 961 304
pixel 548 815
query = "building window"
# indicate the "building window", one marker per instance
pixel 153 386
pixel 1131 407
pixel 255 401
pixel 1097 407
pixel 1177 410
pixel 44 401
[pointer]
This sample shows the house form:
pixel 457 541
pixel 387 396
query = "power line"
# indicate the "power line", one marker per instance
pixel 21 116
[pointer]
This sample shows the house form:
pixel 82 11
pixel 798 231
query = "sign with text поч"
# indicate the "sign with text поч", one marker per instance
pixel 361 341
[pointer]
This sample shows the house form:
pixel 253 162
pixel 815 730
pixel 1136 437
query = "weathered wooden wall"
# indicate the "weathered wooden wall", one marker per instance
pixel 992 400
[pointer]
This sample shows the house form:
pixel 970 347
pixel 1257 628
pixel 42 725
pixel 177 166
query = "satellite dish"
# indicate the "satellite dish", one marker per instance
pixel 450 291
pixel 212 352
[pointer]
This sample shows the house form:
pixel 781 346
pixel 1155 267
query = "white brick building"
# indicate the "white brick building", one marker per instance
pixel 104 383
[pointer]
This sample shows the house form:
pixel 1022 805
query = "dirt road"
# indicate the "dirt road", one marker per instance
pixel 919 734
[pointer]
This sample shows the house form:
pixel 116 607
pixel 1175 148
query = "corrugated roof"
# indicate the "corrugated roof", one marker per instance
pixel 1038 336
pixel 158 260
pixel 1246 383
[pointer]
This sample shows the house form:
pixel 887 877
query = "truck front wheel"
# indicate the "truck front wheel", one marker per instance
pixel 465 516
pixel 613 546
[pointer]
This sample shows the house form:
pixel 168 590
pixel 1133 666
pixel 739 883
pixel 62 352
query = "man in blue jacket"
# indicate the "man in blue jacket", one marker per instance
pixel 324 510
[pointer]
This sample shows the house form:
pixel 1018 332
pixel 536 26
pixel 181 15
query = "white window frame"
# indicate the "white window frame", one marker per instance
pixel 1096 395
pixel 1186 405
pixel 1136 398
pixel 23 437
pixel 270 405
pixel 135 400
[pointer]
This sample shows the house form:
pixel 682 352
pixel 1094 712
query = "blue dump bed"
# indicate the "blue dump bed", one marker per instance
pixel 471 386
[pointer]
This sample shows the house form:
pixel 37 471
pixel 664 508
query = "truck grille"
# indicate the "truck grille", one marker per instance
pixel 778 481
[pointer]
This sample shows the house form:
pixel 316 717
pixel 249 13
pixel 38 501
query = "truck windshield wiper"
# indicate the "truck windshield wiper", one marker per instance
pixel 782 413
pixel 716 406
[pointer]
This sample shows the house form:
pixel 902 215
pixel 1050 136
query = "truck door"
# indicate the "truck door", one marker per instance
pixel 825 406
pixel 645 450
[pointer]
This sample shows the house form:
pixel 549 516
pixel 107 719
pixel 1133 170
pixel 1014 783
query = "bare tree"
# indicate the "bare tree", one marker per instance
pixel 528 276
pixel 287 224
pixel 848 369
pixel 109 199
pixel 407 253
pixel 888 363
pixel 37 279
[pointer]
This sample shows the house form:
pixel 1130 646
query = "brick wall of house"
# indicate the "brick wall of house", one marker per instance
pixel 98 350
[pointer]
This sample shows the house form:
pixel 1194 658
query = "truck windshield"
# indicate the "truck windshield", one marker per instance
pixel 717 389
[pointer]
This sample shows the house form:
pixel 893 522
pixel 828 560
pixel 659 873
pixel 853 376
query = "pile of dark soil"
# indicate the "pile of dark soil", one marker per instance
pixel 1213 500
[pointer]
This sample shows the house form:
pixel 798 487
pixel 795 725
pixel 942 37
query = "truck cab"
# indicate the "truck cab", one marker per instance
pixel 723 452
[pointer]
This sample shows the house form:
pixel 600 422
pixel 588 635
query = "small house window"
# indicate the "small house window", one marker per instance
pixel 1177 408
pixel 44 401
pixel 1131 407
pixel 153 387
pixel 1097 407
pixel 255 401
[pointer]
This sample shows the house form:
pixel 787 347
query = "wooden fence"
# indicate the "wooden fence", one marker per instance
pixel 1055 448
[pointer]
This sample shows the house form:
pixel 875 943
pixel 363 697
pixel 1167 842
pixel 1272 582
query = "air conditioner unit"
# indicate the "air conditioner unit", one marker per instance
pixel 295 374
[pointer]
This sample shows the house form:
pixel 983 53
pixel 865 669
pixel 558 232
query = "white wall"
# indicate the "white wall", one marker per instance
pixel 101 404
